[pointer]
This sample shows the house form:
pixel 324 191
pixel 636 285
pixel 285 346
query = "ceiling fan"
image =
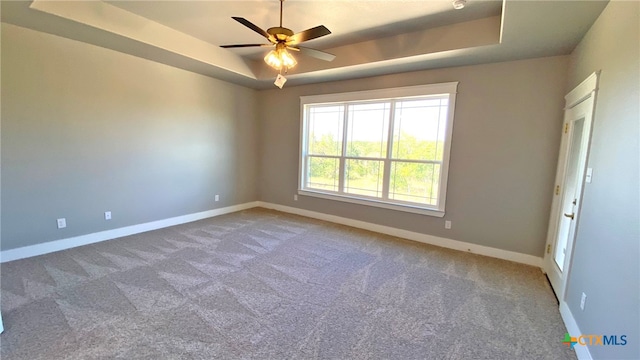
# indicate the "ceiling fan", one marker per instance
pixel 284 39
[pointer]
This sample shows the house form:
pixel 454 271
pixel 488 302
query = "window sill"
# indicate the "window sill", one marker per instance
pixel 374 203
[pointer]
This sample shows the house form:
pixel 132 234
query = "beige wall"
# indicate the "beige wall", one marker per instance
pixel 606 259
pixel 503 157
pixel 86 130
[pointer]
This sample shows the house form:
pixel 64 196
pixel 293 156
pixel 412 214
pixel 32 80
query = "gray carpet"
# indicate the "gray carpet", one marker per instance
pixel 260 284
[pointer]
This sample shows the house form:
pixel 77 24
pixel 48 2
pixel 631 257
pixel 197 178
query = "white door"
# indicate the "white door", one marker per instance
pixel 570 179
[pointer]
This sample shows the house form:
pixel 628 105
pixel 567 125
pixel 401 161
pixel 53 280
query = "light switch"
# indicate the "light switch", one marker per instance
pixel 589 175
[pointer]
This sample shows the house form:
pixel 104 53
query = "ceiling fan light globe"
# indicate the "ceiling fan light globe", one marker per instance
pixel 287 59
pixel 274 60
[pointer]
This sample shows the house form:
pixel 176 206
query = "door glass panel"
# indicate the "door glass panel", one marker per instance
pixel 572 178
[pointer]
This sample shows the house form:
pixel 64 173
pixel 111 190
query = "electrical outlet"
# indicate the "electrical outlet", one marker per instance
pixel 295 197
pixel 582 300
pixel 107 215
pixel 62 223
pixel 447 224
pixel 217 198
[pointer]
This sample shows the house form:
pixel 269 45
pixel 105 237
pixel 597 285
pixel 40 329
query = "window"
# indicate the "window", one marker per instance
pixel 386 148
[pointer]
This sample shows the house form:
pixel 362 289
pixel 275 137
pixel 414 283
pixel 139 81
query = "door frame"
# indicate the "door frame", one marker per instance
pixel 586 91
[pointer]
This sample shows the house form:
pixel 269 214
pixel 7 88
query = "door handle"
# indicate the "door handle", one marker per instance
pixel 571 216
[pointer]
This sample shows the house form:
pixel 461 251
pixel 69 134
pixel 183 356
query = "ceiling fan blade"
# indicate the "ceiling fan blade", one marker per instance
pixel 252 26
pixel 244 45
pixel 313 52
pixel 308 34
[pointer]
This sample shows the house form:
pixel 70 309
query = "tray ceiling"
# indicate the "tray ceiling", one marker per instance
pixel 368 37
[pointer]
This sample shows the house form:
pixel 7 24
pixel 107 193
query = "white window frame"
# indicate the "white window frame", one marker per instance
pixel 401 93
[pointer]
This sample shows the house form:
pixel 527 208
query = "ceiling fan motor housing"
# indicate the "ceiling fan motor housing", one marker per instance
pixel 280 33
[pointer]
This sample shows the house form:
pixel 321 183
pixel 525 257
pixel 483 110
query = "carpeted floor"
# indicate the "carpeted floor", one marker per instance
pixel 261 284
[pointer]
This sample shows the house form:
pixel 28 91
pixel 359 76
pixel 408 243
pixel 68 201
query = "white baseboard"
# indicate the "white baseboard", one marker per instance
pixel 582 351
pixel 423 238
pixel 63 244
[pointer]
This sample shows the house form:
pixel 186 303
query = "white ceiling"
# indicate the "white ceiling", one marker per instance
pixel 368 37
